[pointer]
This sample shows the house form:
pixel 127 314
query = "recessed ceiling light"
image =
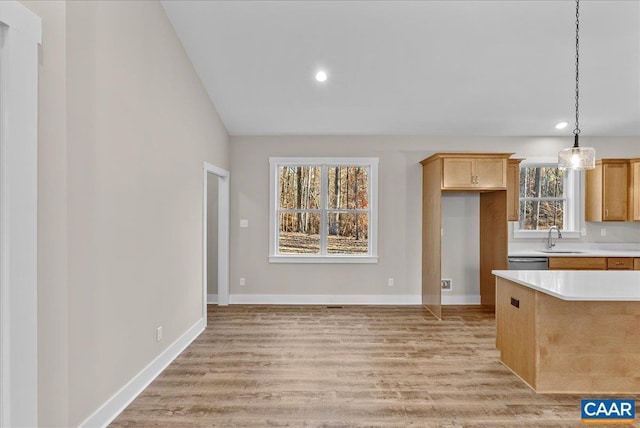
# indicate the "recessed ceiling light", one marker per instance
pixel 562 125
pixel 321 76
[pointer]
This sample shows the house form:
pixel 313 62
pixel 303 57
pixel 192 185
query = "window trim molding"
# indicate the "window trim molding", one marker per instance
pixel 574 186
pixel 372 163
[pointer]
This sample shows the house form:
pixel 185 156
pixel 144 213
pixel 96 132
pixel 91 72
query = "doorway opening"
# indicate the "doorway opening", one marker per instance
pixel 215 240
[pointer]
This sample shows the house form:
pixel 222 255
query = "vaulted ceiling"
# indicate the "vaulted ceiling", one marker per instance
pixel 415 67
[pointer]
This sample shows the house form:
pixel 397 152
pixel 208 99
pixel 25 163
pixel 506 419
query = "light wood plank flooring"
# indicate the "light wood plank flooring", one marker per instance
pixel 313 366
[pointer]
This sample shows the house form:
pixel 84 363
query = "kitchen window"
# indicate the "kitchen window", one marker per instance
pixel 549 196
pixel 323 210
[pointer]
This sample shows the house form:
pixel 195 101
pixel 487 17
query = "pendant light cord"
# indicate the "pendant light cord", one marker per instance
pixel 576 131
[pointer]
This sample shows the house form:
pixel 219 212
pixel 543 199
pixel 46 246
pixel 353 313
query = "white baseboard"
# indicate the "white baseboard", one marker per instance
pixel 106 413
pixel 465 299
pixel 212 299
pixel 325 299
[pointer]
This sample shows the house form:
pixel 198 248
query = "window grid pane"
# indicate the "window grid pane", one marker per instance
pixel 541 214
pixel 348 233
pixel 299 233
pixel 299 187
pixel 542 182
pixel 348 187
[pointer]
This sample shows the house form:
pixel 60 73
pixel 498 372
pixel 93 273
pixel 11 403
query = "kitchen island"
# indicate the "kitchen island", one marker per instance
pixel 570 331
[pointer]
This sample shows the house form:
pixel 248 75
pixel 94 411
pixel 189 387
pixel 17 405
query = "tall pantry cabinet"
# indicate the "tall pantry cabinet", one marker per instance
pixel 485 173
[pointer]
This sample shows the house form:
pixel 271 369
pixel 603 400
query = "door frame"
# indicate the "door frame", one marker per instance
pixel 21 35
pixel 223 234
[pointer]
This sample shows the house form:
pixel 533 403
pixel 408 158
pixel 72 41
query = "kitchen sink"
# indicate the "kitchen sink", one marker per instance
pixel 560 252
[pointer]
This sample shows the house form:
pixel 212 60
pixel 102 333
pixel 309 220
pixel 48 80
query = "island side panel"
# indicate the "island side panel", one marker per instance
pixel 588 347
pixel 516 329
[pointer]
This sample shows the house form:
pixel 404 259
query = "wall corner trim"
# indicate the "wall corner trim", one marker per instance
pixel 21 19
pixel 106 413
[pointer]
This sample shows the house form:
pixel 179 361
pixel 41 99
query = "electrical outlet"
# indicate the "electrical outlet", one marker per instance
pixel 390 283
pixel 244 223
pixel 159 334
pixel 603 232
pixel 242 282
pixel 446 284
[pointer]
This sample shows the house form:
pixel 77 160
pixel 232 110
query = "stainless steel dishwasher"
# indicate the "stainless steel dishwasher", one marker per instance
pixel 528 263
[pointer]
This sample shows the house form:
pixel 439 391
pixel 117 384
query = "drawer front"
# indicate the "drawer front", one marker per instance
pixel 577 263
pixel 624 263
pixel 636 264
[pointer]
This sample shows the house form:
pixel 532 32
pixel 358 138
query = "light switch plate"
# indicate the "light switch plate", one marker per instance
pixel 244 223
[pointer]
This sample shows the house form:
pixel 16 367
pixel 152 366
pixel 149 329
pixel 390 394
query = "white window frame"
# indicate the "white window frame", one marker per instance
pixel 276 162
pixel 574 196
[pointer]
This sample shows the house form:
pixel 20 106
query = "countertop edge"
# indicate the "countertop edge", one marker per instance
pixel 558 276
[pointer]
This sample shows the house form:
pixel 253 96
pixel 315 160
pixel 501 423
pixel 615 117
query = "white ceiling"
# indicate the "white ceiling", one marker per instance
pixel 415 67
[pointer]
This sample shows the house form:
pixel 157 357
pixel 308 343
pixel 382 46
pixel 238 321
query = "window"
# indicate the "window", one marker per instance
pixel 549 196
pixel 323 210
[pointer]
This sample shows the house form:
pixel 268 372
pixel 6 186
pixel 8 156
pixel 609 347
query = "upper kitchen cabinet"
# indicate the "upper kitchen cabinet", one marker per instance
pixel 634 189
pixel 467 171
pixel 513 189
pixel 607 191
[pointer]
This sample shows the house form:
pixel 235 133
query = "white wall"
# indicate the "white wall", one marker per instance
pixel 125 126
pixel 399 216
pixel 461 258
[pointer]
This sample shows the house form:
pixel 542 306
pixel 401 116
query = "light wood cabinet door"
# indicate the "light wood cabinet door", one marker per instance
pixel 636 263
pixel 577 263
pixel 490 173
pixel 513 189
pixel 457 173
pixel 634 190
pixel 607 191
pixel 614 192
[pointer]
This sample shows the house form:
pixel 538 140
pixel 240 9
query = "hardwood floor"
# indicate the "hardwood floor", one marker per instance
pixel 357 366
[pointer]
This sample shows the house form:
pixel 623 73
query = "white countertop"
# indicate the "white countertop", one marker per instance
pixel 578 285
pixel 574 253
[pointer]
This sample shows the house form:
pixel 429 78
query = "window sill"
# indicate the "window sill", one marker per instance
pixel 323 259
pixel 537 234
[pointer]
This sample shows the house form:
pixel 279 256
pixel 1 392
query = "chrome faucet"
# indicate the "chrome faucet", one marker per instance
pixel 550 243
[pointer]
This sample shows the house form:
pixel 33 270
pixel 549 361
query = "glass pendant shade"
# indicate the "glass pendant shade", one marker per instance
pixel 577 158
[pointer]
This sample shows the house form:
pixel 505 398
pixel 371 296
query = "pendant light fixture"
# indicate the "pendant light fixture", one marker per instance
pixel 577 157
